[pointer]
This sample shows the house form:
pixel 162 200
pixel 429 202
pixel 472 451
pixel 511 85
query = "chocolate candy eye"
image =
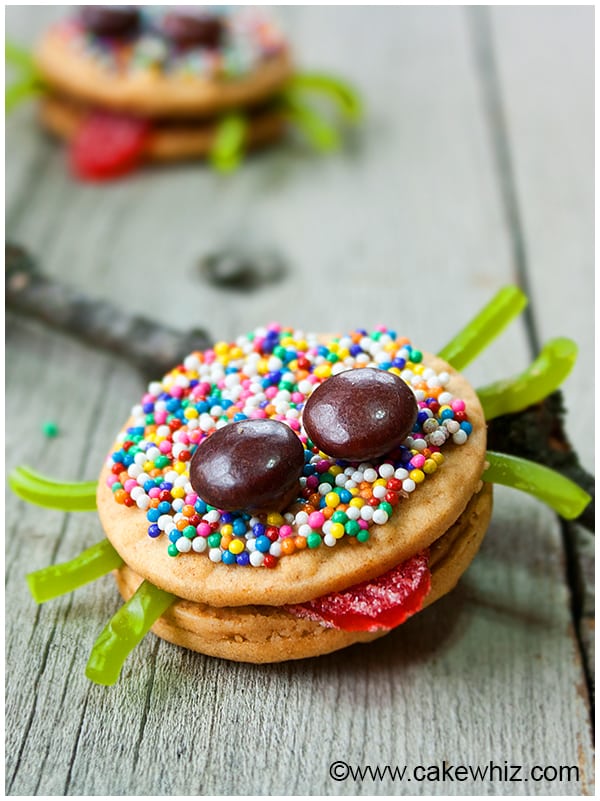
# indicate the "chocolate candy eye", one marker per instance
pixel 110 20
pixel 253 465
pixel 189 28
pixel 360 414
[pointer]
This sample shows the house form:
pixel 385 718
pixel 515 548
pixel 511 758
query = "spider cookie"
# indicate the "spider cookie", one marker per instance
pixel 129 84
pixel 288 494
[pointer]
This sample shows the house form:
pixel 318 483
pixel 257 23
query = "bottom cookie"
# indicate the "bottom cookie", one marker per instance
pixel 169 141
pixel 262 634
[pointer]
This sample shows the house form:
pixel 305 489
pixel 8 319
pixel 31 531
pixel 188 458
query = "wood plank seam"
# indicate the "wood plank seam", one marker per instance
pixel 482 41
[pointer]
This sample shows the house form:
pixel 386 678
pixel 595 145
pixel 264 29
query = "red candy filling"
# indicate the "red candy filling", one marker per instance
pixel 382 603
pixel 108 145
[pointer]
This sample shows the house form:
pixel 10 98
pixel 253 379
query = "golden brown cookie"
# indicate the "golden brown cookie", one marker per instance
pixel 270 634
pixel 148 75
pixel 171 140
pixel 418 521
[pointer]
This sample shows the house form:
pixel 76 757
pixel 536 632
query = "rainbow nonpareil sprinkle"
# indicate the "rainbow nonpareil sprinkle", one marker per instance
pixel 251 37
pixel 270 373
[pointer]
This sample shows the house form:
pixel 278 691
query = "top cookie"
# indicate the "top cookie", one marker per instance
pixel 156 67
pixel 351 522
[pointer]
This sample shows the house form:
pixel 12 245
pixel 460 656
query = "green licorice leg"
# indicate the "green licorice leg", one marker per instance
pixel 485 327
pixel 344 95
pixel 124 631
pixel 19 91
pixel 56 580
pixel 561 494
pixel 228 148
pixel 316 129
pixel 66 496
pixel 20 58
pixel 542 377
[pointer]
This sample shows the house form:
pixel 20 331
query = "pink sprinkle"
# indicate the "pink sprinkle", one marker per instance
pixel 363 523
pixel 285 531
pixel 312 482
pixel 270 392
pixel 257 413
pixel 154 492
pixel 176 391
pixel 204 387
pixel 191 498
pixel 165 446
pixel 316 519
pixel 203 529
pixel 458 405
pixel 160 417
pixel 209 356
pixel 221 383
pixel 148 398
pixel 323 466
pixel 111 479
pixel 130 484
pixel 297 397
pixel 293 423
pixel 418 460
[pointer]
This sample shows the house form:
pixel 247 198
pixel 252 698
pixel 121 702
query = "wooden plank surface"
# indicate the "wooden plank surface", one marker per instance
pixel 408 219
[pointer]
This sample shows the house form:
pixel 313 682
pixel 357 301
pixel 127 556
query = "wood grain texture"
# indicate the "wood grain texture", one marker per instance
pixel 410 209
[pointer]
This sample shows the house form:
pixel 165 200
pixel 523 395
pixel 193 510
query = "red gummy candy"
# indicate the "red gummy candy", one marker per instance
pixel 108 145
pixel 382 603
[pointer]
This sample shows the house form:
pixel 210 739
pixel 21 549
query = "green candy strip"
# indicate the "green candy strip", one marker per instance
pixel 19 58
pixel 228 148
pixel 343 95
pixel 17 92
pixel 484 328
pixel 43 491
pixel 561 494
pixel 56 580
pixel 542 377
pixel 317 130
pixel 124 631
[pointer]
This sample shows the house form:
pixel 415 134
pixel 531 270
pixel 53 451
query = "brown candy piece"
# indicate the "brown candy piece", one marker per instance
pixel 360 414
pixel 189 28
pixel 110 20
pixel 251 465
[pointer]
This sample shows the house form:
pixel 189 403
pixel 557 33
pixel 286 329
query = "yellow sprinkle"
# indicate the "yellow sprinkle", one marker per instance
pixel 380 482
pixel 275 519
pixel 226 530
pixel 178 492
pixel 332 499
pixel 358 502
pixel 337 530
pixel 180 467
pixel 148 466
pixel 437 457
pixel 430 466
pixel 323 370
pixel 417 476
pixel 221 348
pixel 236 353
pixel 190 413
pixel 236 546
pixel 335 470
pixel 395 370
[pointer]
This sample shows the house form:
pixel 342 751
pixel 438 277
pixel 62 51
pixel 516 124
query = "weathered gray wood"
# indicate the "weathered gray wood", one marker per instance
pixel 411 213
pixel 551 127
